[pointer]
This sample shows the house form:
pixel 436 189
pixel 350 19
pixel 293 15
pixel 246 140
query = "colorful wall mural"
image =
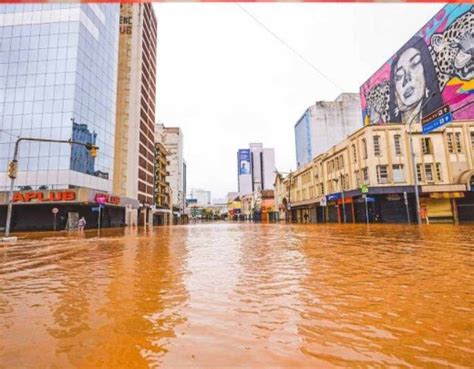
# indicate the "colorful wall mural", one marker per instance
pixel 434 68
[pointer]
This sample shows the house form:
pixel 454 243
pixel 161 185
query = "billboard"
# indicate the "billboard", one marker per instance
pixel 434 68
pixel 244 161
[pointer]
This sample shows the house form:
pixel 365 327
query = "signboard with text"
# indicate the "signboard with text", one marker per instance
pixel 44 196
pixel 436 119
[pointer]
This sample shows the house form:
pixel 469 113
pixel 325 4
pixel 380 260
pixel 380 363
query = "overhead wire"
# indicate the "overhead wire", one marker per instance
pixel 289 47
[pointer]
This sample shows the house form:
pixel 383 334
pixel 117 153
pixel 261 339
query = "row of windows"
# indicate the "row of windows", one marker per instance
pixel 429 172
pixel 398 174
pixel 28 30
pixel 13 82
pixel 40 42
pixel 335 164
pixel 454 141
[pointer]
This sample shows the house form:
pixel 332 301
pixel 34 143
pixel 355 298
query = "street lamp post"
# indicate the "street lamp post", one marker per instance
pixel 413 159
pixel 342 197
pixel 289 199
pixel 343 200
pixel 14 164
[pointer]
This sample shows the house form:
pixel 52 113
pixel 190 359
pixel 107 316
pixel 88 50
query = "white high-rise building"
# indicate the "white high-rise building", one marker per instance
pixel 325 124
pixel 203 197
pixel 256 168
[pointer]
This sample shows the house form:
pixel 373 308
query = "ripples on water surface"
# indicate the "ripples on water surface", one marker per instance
pixel 240 296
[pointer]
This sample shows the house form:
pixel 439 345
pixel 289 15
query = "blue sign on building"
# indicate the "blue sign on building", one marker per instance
pixel 437 122
pixel 334 196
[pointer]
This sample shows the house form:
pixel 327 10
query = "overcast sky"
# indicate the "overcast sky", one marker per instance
pixel 227 82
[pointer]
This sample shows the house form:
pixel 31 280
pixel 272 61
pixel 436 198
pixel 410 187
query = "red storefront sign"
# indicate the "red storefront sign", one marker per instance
pixel 37 196
pixel 103 198
pixel 347 200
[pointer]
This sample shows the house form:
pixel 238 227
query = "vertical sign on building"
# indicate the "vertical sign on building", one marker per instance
pixel 244 161
pixel 244 171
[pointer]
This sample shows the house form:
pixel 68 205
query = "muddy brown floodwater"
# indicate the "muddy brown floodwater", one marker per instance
pixel 240 296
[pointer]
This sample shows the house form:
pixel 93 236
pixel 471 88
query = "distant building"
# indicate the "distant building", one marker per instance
pixel 255 168
pixel 203 197
pixel 325 124
pixel 173 142
pixel 162 187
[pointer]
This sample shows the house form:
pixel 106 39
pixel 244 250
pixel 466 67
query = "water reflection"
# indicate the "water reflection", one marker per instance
pixel 240 295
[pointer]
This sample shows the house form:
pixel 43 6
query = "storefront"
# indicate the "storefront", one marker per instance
pixel 441 203
pixel 465 205
pixel 161 217
pixel 62 209
pixel 363 208
pixel 304 211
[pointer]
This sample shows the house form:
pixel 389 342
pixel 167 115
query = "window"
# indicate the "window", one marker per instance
pixel 365 173
pixel 354 153
pixel 357 178
pixel 322 188
pixel 364 148
pixel 458 142
pixel 382 174
pixel 426 145
pixel 429 172
pixel 398 148
pixel 450 143
pixel 439 174
pixel 472 139
pixel 418 172
pixel 377 151
pixel 398 173
pixel 341 162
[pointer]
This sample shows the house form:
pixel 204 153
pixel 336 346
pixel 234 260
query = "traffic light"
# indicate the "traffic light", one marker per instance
pixel 12 169
pixel 92 150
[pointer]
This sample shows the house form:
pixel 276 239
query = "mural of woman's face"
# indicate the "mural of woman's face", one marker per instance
pixel 409 79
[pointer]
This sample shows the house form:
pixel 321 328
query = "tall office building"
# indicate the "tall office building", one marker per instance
pixel 58 80
pixel 256 169
pixel 325 124
pixel 134 139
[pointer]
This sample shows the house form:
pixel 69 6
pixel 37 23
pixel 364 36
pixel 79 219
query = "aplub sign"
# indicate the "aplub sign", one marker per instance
pixel 38 196
pixel 103 198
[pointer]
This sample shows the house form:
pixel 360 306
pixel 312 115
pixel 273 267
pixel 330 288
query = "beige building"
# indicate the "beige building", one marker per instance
pixel 172 139
pixel 136 92
pixel 162 212
pixel 376 160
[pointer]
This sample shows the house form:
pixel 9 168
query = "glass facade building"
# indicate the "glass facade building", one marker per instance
pixel 58 79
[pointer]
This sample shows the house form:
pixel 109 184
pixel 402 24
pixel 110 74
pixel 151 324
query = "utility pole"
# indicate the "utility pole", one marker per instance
pixel 413 159
pixel 289 198
pixel 13 167
pixel 343 199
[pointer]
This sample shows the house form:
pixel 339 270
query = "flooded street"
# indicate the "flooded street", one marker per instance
pixel 240 296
